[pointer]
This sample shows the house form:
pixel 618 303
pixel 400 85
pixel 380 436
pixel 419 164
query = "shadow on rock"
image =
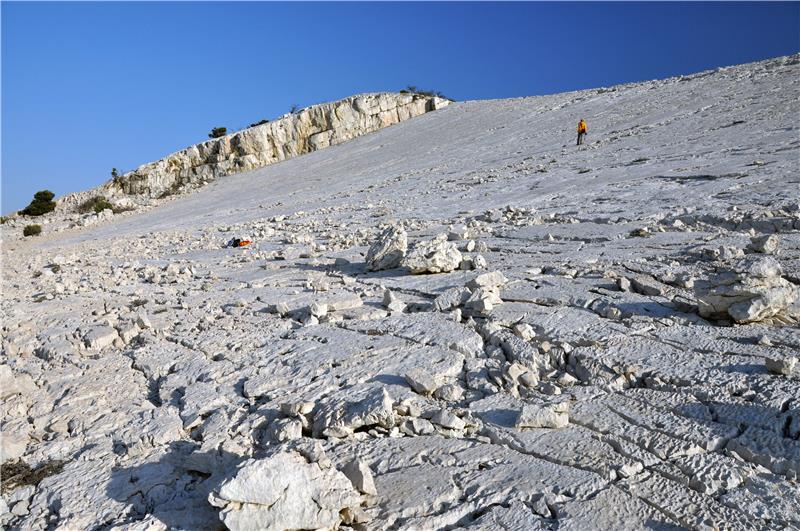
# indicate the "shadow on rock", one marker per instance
pixel 653 310
pixel 174 489
pixel 354 269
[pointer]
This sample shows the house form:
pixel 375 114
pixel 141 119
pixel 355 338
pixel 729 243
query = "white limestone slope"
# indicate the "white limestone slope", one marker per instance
pixel 154 378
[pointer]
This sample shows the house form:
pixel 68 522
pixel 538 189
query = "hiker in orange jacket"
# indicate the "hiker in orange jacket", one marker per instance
pixel 581 131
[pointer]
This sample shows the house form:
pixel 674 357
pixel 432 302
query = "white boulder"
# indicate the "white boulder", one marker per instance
pixel 285 492
pixel 388 250
pixel 752 291
pixel 543 416
pixel 434 256
pixel 765 244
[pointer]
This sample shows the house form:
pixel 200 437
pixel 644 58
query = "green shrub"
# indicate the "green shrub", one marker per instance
pixel 42 204
pixel 412 89
pixel 102 205
pixel 43 195
pixel 3 219
pixel 116 177
pixel 295 108
pixel 32 230
pixel 217 132
pixel 174 189
pixel 261 122
pixel 95 204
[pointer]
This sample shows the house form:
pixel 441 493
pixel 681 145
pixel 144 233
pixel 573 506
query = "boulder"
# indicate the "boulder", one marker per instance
pixel 318 309
pixel 783 366
pixel 446 419
pixel 359 474
pixel 483 300
pixel 765 244
pixel 388 250
pixel 524 331
pixel 13 445
pixel 345 303
pixel 543 416
pixel 458 232
pixel 451 298
pixel 646 286
pixel 282 430
pixel 434 256
pixel 11 385
pixel 340 418
pixel 493 281
pixel 100 337
pixel 751 291
pixel 285 492
pixel 392 303
pixel 449 393
pixel 417 426
pixel 421 382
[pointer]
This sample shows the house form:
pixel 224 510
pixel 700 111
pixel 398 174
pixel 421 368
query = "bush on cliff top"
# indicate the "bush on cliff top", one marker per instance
pixel 217 132
pixel 412 89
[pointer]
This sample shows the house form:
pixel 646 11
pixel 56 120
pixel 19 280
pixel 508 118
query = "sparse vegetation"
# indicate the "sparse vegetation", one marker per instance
pixel 261 122
pixel 3 219
pixel 172 190
pixel 295 108
pixel 95 204
pixel 32 230
pixel 412 89
pixel 217 132
pixel 116 177
pixel 19 474
pixel 42 204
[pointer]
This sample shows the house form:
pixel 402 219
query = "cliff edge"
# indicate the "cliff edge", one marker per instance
pixel 293 134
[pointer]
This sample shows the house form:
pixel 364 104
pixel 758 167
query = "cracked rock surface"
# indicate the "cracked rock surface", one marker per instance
pixel 604 337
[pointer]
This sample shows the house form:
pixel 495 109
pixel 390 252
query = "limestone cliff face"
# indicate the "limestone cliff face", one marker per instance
pixel 310 129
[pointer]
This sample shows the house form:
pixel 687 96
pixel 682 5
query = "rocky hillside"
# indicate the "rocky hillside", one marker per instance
pixel 309 129
pixel 463 321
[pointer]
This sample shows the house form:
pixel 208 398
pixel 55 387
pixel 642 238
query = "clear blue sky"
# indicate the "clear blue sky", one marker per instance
pixel 91 86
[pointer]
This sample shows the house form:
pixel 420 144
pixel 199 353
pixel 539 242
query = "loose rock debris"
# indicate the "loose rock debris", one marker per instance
pixel 612 349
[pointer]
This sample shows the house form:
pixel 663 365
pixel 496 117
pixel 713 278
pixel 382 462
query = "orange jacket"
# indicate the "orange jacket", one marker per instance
pixel 581 126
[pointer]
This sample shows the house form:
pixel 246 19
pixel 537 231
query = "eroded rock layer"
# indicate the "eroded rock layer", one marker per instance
pixel 309 129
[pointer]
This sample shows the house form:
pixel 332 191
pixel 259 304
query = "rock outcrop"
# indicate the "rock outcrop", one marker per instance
pixel 309 129
pixel 751 291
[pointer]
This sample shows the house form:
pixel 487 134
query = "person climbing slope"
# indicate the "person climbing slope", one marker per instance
pixel 581 131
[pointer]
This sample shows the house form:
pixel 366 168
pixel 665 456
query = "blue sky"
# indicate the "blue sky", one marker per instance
pixel 91 86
